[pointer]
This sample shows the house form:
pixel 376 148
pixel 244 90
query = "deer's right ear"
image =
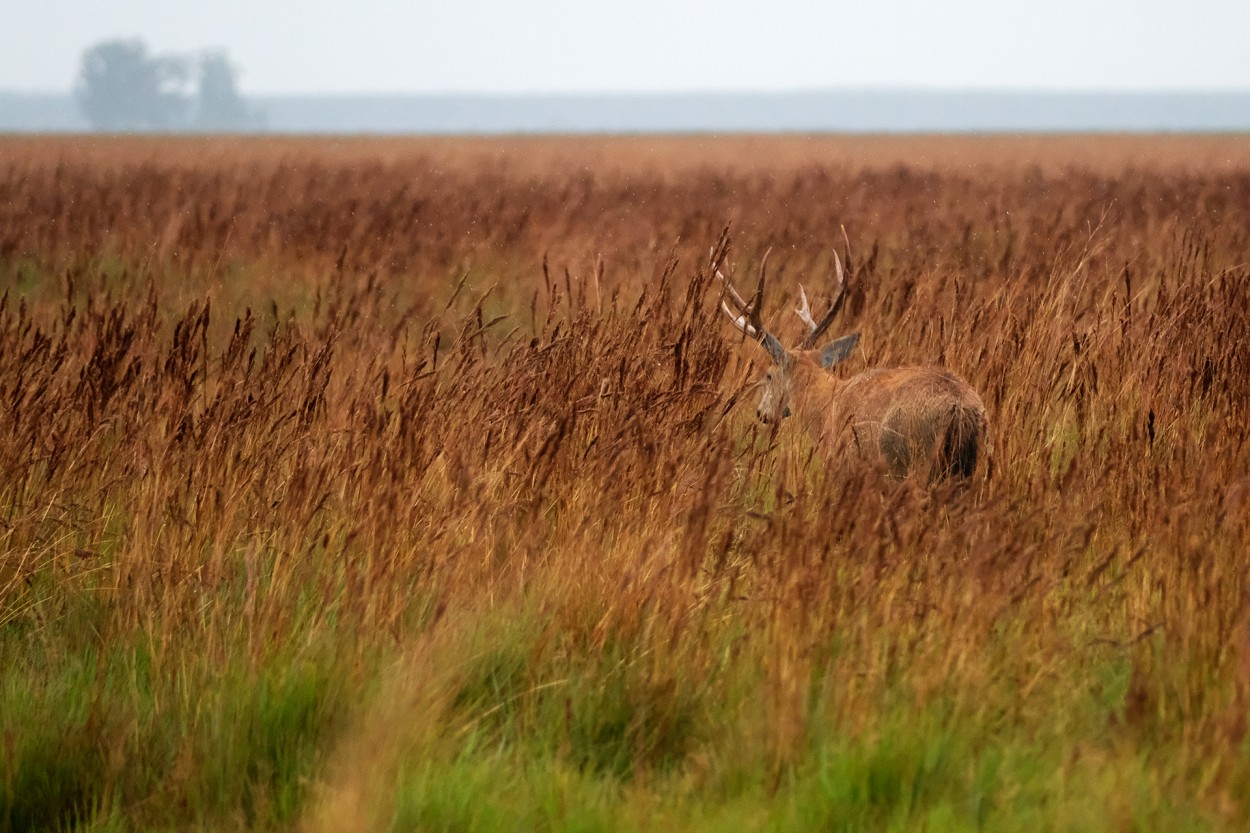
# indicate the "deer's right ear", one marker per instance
pixel 835 352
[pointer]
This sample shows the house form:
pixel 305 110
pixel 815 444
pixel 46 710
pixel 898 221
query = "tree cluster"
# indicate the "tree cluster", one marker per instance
pixel 122 86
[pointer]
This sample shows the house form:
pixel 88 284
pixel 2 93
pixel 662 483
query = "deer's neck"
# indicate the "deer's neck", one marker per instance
pixel 816 396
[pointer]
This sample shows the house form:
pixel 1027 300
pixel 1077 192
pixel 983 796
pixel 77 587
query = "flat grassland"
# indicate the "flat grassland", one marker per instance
pixel 414 484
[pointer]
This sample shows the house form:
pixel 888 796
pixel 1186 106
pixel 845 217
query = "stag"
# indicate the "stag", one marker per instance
pixel 922 421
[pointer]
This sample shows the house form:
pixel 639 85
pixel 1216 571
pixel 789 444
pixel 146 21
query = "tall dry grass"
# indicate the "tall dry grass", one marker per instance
pixel 405 492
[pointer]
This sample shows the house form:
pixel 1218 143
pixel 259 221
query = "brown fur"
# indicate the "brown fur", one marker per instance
pixel 910 420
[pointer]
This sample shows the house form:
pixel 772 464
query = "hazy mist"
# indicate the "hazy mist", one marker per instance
pixel 647 65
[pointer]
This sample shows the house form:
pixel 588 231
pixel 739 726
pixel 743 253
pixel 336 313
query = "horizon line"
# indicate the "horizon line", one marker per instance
pixel 864 89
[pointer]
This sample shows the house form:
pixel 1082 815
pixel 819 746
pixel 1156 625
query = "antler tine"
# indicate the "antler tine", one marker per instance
pixel 757 301
pixel 748 318
pixel 740 321
pixel 816 330
pixel 733 293
pixel 740 317
pixel 805 310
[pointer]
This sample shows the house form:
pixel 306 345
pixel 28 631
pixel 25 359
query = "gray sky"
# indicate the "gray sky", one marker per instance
pixel 332 46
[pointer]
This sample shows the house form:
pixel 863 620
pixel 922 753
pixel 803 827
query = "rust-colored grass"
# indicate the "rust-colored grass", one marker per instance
pixel 413 484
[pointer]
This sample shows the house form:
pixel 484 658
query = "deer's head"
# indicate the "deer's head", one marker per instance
pixel 789 366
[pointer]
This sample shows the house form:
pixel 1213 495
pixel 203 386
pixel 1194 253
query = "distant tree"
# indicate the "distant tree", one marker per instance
pixel 218 103
pixel 122 87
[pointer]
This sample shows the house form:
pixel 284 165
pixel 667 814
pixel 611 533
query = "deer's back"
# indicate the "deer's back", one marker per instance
pixel 913 417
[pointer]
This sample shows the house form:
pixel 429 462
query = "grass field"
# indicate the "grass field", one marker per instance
pixel 415 485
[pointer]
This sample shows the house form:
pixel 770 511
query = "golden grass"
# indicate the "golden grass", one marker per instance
pixel 664 156
pixel 465 413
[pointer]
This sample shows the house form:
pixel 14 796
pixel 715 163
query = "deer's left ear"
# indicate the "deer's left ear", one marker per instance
pixel 835 352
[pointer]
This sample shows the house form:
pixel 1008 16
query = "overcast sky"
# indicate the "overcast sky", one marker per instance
pixel 331 46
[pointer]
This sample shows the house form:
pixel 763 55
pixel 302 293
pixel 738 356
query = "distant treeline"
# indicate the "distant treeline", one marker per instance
pixel 124 87
pixel 857 111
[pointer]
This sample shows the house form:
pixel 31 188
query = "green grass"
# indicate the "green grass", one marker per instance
pixel 512 724
pixel 113 729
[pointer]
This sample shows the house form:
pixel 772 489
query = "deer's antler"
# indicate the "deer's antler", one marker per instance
pixel 816 329
pixel 747 316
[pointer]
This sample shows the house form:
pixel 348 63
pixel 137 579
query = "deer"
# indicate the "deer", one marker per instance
pixel 921 421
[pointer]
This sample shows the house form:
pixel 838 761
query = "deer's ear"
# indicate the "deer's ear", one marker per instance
pixel 774 348
pixel 835 352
